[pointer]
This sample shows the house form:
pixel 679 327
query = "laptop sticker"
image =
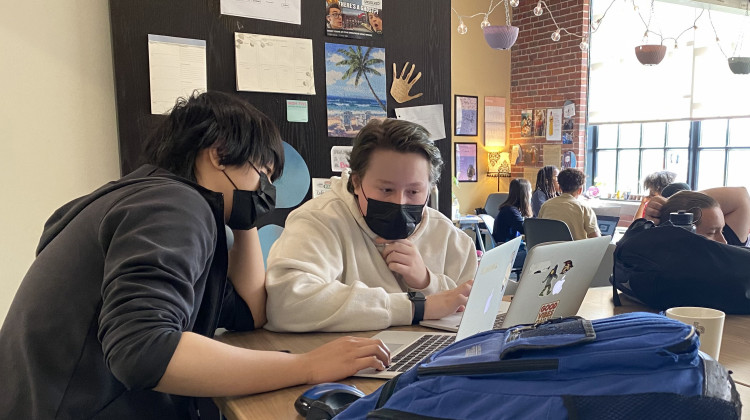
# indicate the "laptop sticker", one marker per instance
pixel 557 288
pixel 540 267
pixel 546 311
pixel 547 282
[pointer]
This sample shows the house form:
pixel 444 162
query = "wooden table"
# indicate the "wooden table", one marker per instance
pixel 597 304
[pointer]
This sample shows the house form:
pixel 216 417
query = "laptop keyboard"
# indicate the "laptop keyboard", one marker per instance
pixel 417 351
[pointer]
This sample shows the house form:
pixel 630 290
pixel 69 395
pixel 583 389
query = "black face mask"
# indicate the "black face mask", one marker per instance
pixel 249 206
pixel 392 221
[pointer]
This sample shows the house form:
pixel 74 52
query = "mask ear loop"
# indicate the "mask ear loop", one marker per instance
pixel 230 180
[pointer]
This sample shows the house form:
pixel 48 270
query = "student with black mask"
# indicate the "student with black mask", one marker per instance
pixel 113 319
pixel 370 254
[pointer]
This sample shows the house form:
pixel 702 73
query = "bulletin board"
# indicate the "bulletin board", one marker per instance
pixel 417 31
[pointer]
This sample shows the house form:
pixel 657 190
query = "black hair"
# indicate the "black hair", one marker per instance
pixel 397 135
pixel 238 130
pixel 519 196
pixel 544 181
pixel 332 6
pixel 570 180
pixel 673 188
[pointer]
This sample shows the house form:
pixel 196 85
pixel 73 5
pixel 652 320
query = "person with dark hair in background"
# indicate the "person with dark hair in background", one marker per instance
pixel 114 318
pixel 580 218
pixel 334 18
pixel 348 259
pixel 654 183
pixel 509 221
pixel 733 203
pixel 546 187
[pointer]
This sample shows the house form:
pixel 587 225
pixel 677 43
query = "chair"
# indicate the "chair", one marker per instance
pixel 489 222
pixel 538 231
pixel 492 205
pixel 485 229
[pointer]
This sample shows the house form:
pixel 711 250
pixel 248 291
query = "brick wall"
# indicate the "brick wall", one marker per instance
pixel 544 74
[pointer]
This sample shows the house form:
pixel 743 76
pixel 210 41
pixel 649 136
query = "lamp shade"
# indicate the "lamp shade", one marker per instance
pixel 498 164
pixel 501 37
pixel 650 55
pixel 739 65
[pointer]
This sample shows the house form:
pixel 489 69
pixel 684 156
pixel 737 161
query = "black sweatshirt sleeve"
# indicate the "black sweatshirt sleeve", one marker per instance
pixel 159 242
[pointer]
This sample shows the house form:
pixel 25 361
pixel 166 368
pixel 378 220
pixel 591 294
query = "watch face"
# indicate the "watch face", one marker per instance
pixel 416 296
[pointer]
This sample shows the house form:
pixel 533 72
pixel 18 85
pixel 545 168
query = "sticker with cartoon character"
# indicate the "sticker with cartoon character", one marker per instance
pixel 548 282
pixel 552 276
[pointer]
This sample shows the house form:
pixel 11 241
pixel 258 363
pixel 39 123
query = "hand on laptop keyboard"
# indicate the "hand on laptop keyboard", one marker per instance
pixel 447 302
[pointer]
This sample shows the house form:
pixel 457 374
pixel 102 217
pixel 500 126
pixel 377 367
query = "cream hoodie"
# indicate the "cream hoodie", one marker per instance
pixel 325 272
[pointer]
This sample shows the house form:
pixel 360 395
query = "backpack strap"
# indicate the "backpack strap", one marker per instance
pixel 387 391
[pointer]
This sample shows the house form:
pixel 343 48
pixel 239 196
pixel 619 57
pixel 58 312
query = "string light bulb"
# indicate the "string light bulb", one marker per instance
pixel 556 35
pixel 595 24
pixel 584 45
pixel 462 28
pixel 514 3
pixel 538 9
pixel 485 23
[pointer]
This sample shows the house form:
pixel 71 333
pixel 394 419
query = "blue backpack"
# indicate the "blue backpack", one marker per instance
pixel 630 366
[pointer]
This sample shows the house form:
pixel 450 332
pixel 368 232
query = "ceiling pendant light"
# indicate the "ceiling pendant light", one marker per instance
pixel 501 37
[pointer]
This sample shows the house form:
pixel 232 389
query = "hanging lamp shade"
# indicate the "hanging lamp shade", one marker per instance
pixel 501 37
pixel 739 65
pixel 650 55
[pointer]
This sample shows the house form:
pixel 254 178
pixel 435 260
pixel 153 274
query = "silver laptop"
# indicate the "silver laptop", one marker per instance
pixel 409 348
pixel 553 283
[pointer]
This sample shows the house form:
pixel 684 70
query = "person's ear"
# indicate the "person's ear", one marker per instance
pixel 356 182
pixel 215 159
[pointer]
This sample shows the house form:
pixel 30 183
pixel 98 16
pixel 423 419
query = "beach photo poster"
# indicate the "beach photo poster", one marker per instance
pixel 466 108
pixel 527 123
pixel 355 87
pixel 540 122
pixel 355 19
pixel 465 155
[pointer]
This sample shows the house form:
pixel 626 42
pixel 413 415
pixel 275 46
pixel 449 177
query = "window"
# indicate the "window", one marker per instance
pixel 693 82
pixel 705 154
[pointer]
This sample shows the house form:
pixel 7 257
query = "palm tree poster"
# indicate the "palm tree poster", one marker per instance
pixel 356 19
pixel 355 87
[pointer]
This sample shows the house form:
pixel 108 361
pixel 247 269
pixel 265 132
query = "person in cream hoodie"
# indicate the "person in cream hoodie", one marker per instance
pixel 369 253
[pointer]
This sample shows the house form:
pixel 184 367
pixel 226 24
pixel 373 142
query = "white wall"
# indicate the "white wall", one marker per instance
pixel 57 119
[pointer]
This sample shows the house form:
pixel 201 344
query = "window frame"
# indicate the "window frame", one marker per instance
pixel 693 149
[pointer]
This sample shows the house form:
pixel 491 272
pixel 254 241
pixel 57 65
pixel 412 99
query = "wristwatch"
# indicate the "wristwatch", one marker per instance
pixel 418 299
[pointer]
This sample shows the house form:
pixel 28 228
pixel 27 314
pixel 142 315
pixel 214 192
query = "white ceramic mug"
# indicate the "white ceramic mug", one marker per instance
pixel 708 322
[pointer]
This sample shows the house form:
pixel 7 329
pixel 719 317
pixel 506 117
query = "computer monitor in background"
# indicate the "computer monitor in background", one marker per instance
pixel 607 224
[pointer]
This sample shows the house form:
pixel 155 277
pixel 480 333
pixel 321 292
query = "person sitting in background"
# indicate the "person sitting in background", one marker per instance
pixel 509 221
pixel 654 183
pixel 546 187
pixel 581 219
pixel 734 203
pixel 347 259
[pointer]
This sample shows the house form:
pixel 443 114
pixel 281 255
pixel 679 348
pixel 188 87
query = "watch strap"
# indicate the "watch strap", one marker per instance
pixel 418 300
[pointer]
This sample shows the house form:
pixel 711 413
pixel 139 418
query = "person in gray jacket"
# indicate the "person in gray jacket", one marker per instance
pixel 114 317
